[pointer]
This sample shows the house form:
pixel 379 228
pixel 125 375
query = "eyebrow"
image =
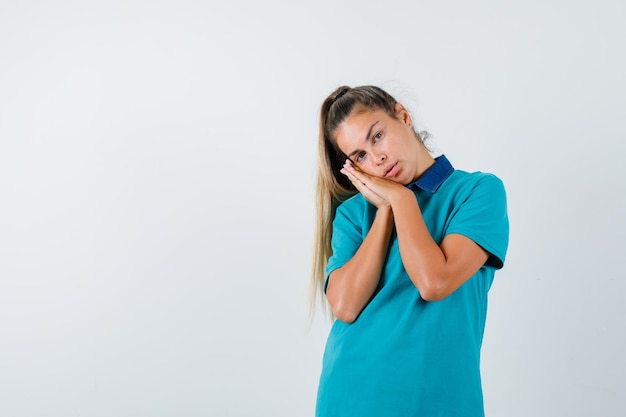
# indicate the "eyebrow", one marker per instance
pixel 369 132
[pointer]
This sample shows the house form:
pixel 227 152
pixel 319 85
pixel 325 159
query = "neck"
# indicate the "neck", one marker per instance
pixel 424 161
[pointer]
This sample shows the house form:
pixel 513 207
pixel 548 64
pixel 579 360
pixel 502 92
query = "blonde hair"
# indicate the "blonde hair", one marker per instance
pixel 332 186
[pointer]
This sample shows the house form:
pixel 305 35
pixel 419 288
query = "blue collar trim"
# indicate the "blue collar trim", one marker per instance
pixel 434 176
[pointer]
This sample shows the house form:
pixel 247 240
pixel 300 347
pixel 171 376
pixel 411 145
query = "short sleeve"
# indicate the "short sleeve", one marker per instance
pixel 347 236
pixel 483 217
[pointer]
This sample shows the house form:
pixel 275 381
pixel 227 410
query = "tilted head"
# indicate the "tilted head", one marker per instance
pixel 342 105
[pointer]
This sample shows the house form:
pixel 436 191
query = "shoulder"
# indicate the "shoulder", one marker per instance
pixel 480 212
pixel 356 204
pixel 355 211
pixel 475 178
pixel 462 184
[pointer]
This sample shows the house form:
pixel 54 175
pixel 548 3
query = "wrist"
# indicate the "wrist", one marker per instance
pixel 399 195
pixel 384 217
pixel 385 211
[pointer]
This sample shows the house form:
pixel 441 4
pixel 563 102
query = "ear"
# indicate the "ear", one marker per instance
pixel 403 114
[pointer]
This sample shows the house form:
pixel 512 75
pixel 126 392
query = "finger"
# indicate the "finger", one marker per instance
pixel 360 175
pixel 350 163
pixel 369 194
pixel 353 179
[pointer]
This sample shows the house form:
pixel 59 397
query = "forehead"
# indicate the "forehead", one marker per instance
pixel 354 129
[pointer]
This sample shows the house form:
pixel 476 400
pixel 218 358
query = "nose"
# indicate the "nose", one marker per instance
pixel 380 157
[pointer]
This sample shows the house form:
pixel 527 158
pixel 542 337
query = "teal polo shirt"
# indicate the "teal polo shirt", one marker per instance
pixel 404 356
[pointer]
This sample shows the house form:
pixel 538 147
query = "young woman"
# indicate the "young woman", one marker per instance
pixel 406 251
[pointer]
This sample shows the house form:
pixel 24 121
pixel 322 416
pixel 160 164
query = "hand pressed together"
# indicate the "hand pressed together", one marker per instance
pixel 378 191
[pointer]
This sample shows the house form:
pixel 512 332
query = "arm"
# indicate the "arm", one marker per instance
pixel 436 270
pixel 351 286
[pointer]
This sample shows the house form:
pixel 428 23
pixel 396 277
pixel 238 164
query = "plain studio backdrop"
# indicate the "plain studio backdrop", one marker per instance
pixel 157 164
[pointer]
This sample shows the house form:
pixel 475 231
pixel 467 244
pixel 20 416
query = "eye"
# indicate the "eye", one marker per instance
pixel 360 156
pixel 378 136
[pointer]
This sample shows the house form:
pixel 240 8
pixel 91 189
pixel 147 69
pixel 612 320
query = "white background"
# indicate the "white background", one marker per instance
pixel 157 164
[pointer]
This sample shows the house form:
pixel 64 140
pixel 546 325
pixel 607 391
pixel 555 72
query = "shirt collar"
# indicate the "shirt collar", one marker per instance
pixel 434 176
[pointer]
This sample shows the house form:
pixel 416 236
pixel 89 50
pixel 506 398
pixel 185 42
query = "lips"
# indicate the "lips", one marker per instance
pixel 393 170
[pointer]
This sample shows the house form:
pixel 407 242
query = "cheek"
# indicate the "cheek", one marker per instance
pixel 370 168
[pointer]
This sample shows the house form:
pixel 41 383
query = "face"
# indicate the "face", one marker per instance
pixel 381 145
